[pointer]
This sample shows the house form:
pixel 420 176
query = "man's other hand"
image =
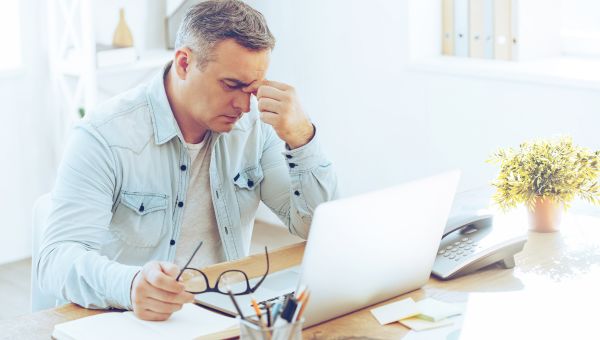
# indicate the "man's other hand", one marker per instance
pixel 155 294
pixel 280 108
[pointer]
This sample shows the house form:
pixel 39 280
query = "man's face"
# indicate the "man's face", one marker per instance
pixel 216 96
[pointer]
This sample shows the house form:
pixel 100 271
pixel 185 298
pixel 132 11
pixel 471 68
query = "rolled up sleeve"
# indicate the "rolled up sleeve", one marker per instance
pixel 70 264
pixel 296 181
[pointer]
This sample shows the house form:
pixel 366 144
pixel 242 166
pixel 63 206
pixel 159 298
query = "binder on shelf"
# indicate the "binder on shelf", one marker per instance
pixel 503 29
pixel 461 28
pixel 535 29
pixel 488 29
pixel 476 28
pixel 514 30
pixel 448 27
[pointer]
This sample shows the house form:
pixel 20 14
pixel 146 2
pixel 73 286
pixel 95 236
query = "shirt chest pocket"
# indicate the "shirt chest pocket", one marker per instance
pixel 247 187
pixel 139 219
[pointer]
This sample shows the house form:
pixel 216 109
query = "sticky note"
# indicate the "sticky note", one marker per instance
pixel 435 310
pixel 418 324
pixel 395 311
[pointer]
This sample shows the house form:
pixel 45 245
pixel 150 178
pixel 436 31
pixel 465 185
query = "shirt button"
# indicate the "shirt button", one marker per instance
pixel 172 242
pixel 292 165
pixel 141 209
pixel 288 156
pixel 250 183
pixel 180 204
pixel 297 193
pixel 183 167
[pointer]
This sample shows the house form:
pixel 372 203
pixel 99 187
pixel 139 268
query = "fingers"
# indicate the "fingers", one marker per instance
pixel 269 105
pixel 266 91
pixel 151 315
pixel 269 118
pixel 161 295
pixel 276 84
pixel 155 275
pixel 170 269
pixel 155 294
pixel 162 307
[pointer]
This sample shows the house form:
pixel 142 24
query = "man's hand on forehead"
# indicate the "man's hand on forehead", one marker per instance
pixel 280 107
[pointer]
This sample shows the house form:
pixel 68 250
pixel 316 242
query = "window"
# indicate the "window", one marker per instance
pixel 10 35
pixel 580 29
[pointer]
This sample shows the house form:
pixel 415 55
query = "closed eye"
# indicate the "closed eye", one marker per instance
pixel 233 85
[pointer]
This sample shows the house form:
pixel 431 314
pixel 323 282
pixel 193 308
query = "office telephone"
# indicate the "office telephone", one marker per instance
pixel 475 240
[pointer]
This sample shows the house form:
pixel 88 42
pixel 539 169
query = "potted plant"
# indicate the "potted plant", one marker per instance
pixel 546 175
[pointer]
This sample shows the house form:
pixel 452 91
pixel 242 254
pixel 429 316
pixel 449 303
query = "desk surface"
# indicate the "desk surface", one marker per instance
pixel 546 259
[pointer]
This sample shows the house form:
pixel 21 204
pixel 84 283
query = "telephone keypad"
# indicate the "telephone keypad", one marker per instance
pixel 459 249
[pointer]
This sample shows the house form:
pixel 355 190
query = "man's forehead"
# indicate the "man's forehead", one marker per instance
pixel 243 78
pixel 242 74
pixel 235 62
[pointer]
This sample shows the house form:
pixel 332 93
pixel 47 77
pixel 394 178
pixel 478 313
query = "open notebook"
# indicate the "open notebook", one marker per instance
pixel 191 322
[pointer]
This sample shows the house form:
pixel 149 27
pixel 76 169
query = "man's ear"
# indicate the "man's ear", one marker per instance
pixel 183 61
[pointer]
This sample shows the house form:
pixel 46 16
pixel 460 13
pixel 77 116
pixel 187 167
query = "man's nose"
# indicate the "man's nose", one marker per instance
pixel 241 101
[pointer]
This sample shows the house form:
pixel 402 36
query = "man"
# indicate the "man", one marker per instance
pixel 181 160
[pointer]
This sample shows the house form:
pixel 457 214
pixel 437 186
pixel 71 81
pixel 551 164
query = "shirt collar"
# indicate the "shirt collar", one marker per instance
pixel 165 125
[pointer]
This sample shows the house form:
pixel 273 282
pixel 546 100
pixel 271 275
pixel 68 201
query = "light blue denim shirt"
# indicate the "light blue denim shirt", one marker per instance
pixel 122 184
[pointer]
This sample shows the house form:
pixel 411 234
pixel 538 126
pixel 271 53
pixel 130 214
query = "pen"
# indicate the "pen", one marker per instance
pixel 237 307
pixel 190 260
pixel 268 307
pixel 276 310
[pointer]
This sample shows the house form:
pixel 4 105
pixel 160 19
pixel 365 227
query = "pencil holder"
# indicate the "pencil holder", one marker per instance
pixel 253 330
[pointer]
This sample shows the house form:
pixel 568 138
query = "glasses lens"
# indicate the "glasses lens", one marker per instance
pixel 234 280
pixel 193 281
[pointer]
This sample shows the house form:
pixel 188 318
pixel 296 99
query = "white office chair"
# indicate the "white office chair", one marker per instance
pixel 41 210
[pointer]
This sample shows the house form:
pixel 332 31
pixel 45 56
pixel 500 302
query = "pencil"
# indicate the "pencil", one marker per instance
pixel 256 309
pixel 304 303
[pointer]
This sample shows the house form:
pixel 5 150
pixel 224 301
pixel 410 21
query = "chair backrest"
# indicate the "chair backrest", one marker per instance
pixel 41 210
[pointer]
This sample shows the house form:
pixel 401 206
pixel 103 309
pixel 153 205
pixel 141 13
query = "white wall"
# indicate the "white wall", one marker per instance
pixel 27 166
pixel 382 123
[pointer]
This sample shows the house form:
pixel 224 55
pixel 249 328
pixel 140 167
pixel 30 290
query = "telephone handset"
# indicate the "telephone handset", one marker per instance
pixel 475 240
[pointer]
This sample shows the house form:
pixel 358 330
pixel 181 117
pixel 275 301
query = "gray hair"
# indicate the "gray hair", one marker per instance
pixel 210 22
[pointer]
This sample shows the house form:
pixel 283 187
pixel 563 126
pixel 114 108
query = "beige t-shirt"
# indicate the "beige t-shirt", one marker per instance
pixel 199 221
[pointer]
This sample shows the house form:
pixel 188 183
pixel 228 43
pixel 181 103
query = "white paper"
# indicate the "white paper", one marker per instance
pixel 188 323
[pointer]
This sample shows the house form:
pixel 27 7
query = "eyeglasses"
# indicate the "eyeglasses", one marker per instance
pixel 196 281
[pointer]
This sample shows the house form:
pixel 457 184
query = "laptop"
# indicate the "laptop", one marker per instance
pixel 362 250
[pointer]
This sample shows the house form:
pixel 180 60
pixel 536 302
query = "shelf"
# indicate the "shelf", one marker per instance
pixel 559 71
pixel 148 60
